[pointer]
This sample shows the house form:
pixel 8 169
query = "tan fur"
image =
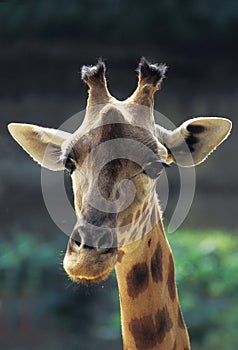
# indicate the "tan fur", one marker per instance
pixel 155 297
pixel 151 316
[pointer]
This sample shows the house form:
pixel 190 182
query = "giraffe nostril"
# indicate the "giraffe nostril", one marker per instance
pixel 77 242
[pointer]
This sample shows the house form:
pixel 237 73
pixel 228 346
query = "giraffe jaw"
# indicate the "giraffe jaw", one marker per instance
pixel 91 280
pixel 89 266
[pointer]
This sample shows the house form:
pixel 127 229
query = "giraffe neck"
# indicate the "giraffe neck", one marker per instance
pixel 150 310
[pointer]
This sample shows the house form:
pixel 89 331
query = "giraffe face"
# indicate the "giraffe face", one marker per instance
pixel 114 159
pixel 114 167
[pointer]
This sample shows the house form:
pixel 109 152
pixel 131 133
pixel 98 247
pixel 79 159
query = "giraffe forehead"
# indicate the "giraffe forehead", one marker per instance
pixel 113 139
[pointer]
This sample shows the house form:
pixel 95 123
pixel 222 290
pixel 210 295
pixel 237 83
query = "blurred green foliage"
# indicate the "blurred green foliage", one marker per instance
pixel 176 21
pixel 24 261
pixel 206 273
pixel 207 278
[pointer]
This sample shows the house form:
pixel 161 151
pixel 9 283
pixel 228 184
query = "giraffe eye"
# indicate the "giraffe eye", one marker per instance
pixel 154 169
pixel 69 165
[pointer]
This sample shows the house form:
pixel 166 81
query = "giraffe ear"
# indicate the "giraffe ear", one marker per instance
pixel 42 144
pixel 194 140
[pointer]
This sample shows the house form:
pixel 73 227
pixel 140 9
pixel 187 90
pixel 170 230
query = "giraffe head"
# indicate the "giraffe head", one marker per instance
pixel 115 159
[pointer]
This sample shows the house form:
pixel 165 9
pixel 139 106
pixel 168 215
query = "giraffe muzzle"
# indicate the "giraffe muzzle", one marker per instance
pixel 89 236
pixel 90 257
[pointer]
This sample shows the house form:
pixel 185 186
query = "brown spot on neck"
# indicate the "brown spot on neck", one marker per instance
pixel 137 279
pixel 171 279
pixel 163 323
pixel 120 255
pixel 156 264
pixel 148 333
pixel 143 332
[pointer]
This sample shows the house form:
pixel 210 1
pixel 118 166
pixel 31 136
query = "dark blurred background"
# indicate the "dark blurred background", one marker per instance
pixel 42 47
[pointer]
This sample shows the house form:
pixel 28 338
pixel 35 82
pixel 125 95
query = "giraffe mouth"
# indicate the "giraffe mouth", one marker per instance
pixel 88 265
pixel 91 280
pixel 74 245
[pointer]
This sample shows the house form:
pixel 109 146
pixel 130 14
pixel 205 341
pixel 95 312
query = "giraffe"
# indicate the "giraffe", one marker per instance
pixel 122 139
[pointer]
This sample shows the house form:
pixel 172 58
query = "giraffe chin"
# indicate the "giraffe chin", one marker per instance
pixel 89 281
pixel 89 266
